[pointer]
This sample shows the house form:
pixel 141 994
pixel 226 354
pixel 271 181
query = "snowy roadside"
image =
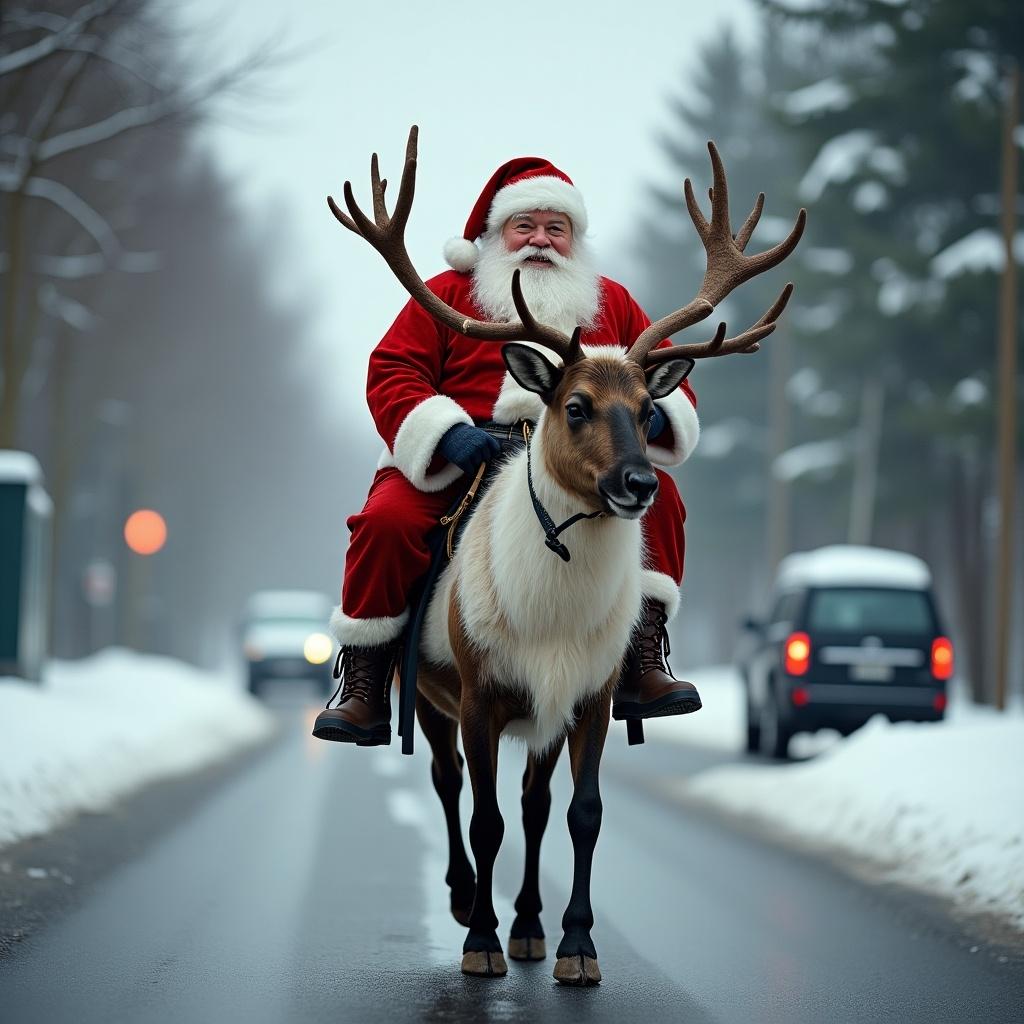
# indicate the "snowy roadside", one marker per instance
pixel 100 728
pixel 937 806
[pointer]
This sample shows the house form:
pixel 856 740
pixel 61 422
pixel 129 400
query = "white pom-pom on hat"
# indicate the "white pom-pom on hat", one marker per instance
pixel 461 254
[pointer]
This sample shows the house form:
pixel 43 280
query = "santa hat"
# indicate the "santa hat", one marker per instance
pixel 525 183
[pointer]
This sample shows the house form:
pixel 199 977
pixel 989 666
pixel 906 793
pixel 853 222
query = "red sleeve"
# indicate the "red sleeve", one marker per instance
pixel 402 391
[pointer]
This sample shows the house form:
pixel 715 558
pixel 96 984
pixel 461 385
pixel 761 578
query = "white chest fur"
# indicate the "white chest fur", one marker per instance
pixel 552 630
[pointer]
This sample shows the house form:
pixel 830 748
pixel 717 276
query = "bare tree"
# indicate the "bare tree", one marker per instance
pixel 75 84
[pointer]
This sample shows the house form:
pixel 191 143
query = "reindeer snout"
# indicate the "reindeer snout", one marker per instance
pixel 641 483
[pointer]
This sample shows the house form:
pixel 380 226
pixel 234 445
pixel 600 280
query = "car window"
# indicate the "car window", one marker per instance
pixel 867 610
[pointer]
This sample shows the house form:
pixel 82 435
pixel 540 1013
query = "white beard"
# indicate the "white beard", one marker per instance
pixel 564 295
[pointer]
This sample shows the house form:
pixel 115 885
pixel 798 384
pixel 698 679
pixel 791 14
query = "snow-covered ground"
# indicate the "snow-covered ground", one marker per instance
pixel 936 806
pixel 99 728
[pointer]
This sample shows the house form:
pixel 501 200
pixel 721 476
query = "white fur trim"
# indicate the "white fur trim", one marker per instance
pixel 682 419
pixel 461 254
pixel 417 438
pixel 659 587
pixel 544 193
pixel 516 403
pixel 366 632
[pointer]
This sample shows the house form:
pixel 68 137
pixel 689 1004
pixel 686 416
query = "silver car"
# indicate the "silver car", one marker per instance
pixel 284 636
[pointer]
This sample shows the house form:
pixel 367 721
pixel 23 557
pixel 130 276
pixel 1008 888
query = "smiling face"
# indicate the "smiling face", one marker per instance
pixel 542 229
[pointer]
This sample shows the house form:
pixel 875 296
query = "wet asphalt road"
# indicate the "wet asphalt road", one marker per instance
pixel 306 884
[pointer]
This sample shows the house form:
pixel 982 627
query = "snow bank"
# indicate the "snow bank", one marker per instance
pixel 940 807
pixel 99 728
pixel 719 724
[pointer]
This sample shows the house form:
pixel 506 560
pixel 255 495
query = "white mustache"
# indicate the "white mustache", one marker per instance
pixel 549 254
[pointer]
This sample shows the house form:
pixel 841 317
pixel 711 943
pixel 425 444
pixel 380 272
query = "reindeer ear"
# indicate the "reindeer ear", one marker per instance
pixel 531 370
pixel 665 377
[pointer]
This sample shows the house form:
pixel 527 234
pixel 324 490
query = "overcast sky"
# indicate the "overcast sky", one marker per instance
pixel 580 82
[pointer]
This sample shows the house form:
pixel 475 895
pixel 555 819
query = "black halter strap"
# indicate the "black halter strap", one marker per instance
pixel 551 531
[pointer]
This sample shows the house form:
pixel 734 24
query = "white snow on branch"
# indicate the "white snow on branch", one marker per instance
pixel 836 161
pixel 828 94
pixel 982 250
pixel 870 196
pixel 980 74
pixel 803 384
pixel 829 261
pixel 817 319
pixel 42 48
pixel 968 392
pixel 772 229
pixel 816 458
pixel 720 439
pixel 843 156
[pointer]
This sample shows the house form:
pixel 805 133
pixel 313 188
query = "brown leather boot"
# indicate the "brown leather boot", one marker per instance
pixel 363 714
pixel 647 689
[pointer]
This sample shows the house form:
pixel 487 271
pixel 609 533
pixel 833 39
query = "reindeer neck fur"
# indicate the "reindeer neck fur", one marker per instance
pixel 553 630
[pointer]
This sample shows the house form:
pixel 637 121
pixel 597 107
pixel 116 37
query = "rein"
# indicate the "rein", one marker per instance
pixel 551 531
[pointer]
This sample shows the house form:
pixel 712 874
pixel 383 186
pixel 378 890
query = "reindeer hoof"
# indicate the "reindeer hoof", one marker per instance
pixel 461 914
pixel 527 949
pixel 577 970
pixel 484 965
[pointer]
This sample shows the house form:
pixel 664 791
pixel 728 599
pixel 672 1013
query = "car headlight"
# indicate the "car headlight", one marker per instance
pixel 317 648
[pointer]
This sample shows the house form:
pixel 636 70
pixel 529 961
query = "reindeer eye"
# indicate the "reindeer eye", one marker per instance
pixel 576 413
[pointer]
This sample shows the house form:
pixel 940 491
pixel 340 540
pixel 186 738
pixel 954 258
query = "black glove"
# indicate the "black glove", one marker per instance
pixel 658 423
pixel 468 446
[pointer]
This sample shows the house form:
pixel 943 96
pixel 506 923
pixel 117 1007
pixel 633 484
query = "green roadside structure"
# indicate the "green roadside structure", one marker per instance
pixel 26 533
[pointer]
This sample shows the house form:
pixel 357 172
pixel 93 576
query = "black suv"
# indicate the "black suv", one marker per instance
pixel 853 632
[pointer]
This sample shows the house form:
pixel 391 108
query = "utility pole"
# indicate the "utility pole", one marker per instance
pixel 865 473
pixel 1007 377
pixel 778 526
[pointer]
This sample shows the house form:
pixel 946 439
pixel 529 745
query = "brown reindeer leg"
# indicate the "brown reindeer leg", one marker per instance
pixel 446 772
pixel 577 958
pixel 482 721
pixel 526 940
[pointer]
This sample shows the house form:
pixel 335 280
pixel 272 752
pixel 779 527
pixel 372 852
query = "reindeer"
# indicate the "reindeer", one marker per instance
pixel 517 642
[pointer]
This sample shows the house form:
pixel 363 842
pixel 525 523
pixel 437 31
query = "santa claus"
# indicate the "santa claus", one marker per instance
pixel 436 397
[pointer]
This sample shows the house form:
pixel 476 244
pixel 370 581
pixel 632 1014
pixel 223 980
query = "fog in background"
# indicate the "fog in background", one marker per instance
pixel 193 325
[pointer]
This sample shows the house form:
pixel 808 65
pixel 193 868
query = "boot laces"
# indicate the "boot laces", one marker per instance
pixel 355 675
pixel 653 646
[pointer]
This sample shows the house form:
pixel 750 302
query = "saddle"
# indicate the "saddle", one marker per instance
pixel 443 541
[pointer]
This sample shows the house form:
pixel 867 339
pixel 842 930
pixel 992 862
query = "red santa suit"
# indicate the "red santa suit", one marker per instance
pixel 423 379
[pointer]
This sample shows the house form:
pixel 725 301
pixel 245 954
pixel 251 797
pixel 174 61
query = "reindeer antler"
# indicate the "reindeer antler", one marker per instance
pixel 387 235
pixel 727 267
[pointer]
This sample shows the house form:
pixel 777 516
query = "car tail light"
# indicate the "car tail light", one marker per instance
pixel 800 696
pixel 942 658
pixel 797 653
pixel 940 701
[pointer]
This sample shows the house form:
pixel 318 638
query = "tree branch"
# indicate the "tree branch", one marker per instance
pixel 76 208
pixel 92 264
pixel 42 48
pixel 173 105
